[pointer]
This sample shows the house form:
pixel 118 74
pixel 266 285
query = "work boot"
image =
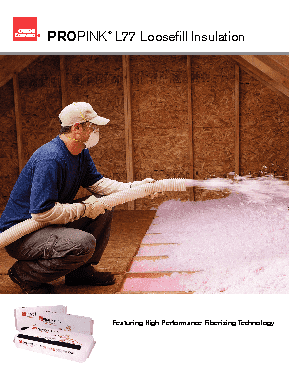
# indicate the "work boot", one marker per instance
pixel 86 275
pixel 30 287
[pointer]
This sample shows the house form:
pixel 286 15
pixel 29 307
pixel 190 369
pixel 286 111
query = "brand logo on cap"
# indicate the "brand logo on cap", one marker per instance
pixel 25 29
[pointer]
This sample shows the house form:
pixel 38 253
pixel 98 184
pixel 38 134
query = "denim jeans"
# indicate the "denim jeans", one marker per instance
pixel 56 250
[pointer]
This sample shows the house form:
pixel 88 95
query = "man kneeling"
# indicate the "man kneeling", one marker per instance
pixel 78 231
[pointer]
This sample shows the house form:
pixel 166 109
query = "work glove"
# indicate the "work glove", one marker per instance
pixel 147 180
pixel 93 207
pixel 139 183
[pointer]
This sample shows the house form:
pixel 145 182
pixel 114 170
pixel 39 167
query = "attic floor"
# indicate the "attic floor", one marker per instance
pixel 128 229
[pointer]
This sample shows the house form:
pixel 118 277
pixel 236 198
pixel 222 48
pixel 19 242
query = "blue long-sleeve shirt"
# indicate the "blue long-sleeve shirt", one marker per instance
pixel 51 175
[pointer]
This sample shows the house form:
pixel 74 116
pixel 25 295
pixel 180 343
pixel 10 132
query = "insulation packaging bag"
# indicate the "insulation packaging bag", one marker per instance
pixel 25 317
pixel 62 321
pixel 69 345
pixel 50 330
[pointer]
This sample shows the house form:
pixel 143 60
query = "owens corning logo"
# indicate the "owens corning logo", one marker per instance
pixel 25 29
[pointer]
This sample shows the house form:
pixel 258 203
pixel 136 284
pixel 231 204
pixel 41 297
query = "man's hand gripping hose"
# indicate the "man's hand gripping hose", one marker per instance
pixel 94 207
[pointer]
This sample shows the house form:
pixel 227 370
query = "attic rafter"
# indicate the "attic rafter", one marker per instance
pixel 282 60
pixel 9 65
pixel 266 69
pixel 275 65
pixel 256 72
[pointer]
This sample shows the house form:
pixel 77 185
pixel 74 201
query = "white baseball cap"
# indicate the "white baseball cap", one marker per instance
pixel 80 112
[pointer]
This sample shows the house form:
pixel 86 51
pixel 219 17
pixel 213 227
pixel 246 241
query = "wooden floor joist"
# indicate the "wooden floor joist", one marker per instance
pixel 154 258
pixel 158 274
pixel 156 244
pixel 156 292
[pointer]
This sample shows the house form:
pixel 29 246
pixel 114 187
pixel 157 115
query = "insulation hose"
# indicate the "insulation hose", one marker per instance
pixel 30 225
pixel 143 190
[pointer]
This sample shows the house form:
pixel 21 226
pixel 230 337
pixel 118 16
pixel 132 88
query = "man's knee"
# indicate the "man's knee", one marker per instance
pixel 71 242
pixel 89 241
pixel 84 241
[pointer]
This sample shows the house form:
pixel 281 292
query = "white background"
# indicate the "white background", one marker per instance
pixel 159 349
pixel 264 24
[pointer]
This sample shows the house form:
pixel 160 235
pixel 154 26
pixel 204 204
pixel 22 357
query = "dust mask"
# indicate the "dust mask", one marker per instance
pixel 93 139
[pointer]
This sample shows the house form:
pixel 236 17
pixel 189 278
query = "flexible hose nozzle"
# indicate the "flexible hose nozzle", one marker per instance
pixel 143 190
